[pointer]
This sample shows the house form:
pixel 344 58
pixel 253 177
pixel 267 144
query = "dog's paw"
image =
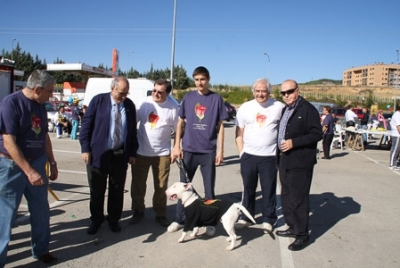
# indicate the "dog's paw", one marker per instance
pixel 229 248
pixel 180 240
pixel 228 239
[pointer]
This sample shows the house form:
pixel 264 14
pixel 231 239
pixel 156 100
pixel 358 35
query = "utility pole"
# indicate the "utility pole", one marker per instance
pixel 265 53
pixel 173 46
pixel 12 47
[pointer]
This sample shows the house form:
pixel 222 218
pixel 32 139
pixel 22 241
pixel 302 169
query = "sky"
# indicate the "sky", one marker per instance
pixel 303 40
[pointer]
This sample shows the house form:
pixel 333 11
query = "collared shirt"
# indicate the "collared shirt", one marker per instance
pixel 112 122
pixel 285 118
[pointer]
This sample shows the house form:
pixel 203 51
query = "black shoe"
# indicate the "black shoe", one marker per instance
pixel 327 158
pixel 285 233
pixel 93 228
pixel 47 258
pixel 137 217
pixel 300 243
pixel 163 221
pixel 115 227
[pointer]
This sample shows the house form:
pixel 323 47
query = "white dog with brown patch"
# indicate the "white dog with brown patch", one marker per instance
pixel 206 212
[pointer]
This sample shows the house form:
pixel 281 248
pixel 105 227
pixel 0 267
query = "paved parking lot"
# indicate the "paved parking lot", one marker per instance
pixel 354 219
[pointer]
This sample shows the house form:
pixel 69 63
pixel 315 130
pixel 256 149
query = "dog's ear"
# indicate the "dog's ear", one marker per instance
pixel 188 186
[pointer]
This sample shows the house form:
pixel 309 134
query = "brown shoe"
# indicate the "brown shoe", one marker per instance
pixel 47 258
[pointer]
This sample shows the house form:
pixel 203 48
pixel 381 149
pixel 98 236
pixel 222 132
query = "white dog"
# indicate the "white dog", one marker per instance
pixel 206 213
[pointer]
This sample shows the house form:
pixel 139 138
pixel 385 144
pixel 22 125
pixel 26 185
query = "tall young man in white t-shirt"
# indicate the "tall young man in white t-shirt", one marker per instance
pixel 257 123
pixel 156 116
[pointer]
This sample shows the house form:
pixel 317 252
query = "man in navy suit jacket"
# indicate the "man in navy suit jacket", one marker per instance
pixel 104 159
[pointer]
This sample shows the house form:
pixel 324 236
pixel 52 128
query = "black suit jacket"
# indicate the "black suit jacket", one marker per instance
pixel 304 128
pixel 95 129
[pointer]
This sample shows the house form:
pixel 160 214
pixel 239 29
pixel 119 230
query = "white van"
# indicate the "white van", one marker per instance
pixel 140 88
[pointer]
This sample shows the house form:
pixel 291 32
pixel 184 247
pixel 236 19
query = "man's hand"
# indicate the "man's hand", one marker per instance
pixel 86 157
pixel 176 154
pixel 219 158
pixel 53 172
pixel 286 145
pixel 35 179
pixel 132 160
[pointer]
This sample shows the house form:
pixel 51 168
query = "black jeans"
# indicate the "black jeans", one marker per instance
pixel 326 144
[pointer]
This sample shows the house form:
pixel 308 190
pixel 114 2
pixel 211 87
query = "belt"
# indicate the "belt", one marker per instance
pixel 9 157
pixel 5 156
pixel 119 151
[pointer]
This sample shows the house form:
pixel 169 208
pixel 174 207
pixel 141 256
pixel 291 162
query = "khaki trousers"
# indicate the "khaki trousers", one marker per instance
pixel 160 166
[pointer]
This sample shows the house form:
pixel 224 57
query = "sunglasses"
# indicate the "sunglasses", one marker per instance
pixel 288 92
pixel 158 92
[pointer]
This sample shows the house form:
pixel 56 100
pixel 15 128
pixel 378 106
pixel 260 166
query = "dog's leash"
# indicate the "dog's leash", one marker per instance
pixel 182 167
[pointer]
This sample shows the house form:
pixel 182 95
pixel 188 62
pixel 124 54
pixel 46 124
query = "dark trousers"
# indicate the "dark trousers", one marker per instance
pixel 207 169
pixel 296 184
pixel 326 144
pixel 97 177
pixel 252 167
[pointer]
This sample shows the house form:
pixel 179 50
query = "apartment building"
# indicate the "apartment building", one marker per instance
pixel 377 74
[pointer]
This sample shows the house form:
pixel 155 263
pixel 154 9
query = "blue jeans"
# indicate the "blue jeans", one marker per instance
pixel 13 184
pixel 75 124
pixel 364 135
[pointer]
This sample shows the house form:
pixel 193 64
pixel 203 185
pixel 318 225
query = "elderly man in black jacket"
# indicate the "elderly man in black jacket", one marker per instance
pixel 299 132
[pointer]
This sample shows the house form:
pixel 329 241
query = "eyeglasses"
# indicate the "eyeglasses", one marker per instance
pixel 261 91
pixel 158 92
pixel 288 92
pixel 122 94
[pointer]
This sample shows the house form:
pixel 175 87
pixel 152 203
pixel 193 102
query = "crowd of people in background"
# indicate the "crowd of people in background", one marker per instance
pixel 272 138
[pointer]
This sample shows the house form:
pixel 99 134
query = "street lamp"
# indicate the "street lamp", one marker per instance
pixel 268 64
pixel 12 47
pixel 127 63
pixel 173 46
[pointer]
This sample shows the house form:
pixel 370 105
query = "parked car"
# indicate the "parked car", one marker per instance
pixel 338 111
pixel 231 111
pixel 52 108
pixel 358 112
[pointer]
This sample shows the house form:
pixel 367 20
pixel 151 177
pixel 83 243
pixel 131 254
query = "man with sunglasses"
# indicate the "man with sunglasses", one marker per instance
pixel 157 116
pixel 298 136
pixel 108 143
pixel 256 131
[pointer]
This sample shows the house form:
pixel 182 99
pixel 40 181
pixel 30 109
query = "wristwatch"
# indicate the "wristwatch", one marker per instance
pixel 53 163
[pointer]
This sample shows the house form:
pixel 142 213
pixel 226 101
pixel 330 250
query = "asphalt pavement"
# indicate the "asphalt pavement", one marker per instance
pixel 354 215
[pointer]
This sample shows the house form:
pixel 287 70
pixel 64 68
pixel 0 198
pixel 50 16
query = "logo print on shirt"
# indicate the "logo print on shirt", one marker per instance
pixel 260 119
pixel 200 111
pixel 153 119
pixel 36 122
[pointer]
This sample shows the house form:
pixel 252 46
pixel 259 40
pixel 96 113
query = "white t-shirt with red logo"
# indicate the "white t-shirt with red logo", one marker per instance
pixel 155 123
pixel 260 123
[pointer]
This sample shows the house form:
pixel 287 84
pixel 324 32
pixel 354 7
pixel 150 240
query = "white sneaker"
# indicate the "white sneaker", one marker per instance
pixel 210 230
pixel 394 168
pixel 58 137
pixel 267 227
pixel 241 224
pixel 173 227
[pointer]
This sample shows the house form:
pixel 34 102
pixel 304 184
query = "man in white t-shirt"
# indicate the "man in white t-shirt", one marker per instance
pixel 257 123
pixel 350 117
pixel 395 133
pixel 156 116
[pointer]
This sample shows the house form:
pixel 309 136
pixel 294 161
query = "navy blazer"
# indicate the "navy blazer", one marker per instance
pixel 304 128
pixel 95 130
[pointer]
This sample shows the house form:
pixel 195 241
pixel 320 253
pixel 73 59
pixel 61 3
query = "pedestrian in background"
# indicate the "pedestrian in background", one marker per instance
pixel 298 136
pixel 328 131
pixel 75 118
pixel 157 117
pixel 108 143
pixel 395 134
pixel 200 128
pixel 256 133
pixel 25 147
